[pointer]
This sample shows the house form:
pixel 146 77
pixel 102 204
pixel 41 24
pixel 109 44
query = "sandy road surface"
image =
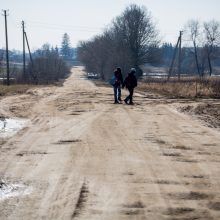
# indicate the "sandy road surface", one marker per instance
pixel 82 157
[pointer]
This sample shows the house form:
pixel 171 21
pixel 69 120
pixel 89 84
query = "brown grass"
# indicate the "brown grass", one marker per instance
pixel 189 87
pixel 14 89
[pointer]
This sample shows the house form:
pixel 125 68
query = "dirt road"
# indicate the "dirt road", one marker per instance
pixel 82 157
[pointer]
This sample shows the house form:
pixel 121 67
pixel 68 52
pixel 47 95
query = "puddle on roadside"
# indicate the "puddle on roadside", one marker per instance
pixel 9 126
pixel 8 190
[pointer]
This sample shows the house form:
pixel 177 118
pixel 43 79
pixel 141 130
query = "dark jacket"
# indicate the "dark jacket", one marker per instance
pixel 118 78
pixel 130 81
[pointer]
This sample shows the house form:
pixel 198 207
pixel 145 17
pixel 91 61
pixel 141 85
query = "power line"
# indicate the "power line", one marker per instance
pixel 51 26
pixel 63 25
pixel 35 24
pixel 64 29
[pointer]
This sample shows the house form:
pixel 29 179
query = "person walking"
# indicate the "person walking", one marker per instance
pixel 117 82
pixel 130 83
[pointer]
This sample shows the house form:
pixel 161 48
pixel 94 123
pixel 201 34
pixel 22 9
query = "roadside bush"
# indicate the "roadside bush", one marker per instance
pixel 47 67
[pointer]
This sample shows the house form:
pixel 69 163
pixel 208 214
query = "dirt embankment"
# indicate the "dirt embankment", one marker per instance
pixel 207 112
pixel 204 109
pixel 83 157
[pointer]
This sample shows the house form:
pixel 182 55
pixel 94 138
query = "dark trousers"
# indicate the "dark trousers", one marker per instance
pixel 117 92
pixel 130 96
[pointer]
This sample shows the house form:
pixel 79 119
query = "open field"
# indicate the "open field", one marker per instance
pixel 82 157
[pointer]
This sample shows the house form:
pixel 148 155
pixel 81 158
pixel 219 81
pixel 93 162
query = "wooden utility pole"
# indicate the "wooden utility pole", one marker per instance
pixel 179 63
pixel 31 59
pixel 173 59
pixel 6 37
pixel 178 46
pixel 24 63
pixel 29 49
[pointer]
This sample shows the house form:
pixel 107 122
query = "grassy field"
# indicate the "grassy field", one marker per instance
pixel 184 88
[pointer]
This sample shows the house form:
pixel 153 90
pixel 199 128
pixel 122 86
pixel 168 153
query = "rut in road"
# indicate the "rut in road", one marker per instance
pixel 81 200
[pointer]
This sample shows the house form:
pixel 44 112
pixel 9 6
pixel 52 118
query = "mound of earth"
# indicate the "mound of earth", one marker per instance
pixel 210 113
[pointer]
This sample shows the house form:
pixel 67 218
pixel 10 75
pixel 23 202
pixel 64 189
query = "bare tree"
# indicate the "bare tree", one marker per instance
pixel 137 30
pixel 193 30
pixel 130 41
pixel 212 39
pixel 98 55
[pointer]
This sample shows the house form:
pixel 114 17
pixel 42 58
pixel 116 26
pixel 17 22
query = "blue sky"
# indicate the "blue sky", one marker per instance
pixel 47 20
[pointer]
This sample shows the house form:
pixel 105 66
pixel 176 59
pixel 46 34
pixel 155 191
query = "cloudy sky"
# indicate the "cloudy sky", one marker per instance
pixel 47 20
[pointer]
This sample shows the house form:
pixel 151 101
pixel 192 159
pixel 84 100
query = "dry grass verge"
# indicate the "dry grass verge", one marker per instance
pixel 185 88
pixel 207 110
pixel 14 89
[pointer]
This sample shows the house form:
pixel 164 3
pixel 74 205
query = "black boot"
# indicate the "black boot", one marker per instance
pixel 126 101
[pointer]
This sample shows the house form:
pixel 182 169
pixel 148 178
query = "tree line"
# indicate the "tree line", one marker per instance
pixel 205 39
pixel 50 64
pixel 47 64
pixel 132 40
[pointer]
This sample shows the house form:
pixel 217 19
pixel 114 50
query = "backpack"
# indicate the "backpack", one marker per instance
pixel 112 80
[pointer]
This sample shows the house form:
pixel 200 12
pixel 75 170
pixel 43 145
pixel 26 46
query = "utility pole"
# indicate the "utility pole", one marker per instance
pixel 180 58
pixel 173 59
pixel 32 64
pixel 24 63
pixel 31 59
pixel 177 47
pixel 6 37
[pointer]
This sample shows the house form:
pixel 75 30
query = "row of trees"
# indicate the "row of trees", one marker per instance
pixel 51 64
pixel 48 64
pixel 201 52
pixel 205 39
pixel 131 40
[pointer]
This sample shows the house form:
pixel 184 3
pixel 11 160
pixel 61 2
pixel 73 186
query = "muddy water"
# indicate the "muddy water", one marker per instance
pixel 9 126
